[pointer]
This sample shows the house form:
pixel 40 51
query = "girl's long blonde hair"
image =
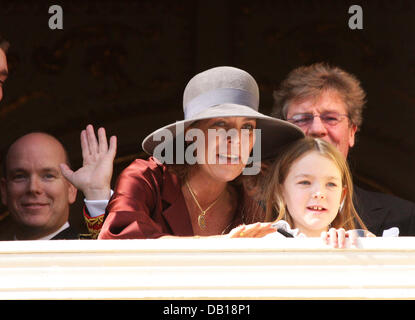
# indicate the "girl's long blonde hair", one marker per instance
pixel 275 205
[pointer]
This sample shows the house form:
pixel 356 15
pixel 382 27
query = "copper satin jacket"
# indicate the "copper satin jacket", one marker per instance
pixel 148 203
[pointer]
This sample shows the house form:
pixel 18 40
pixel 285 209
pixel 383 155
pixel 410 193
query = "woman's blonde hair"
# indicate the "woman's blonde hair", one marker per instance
pixel 276 209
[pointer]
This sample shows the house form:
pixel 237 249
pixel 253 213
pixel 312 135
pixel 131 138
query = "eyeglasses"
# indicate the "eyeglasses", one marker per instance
pixel 328 118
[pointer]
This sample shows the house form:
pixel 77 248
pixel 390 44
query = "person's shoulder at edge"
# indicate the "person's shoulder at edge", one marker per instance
pixel 391 211
pixel 382 199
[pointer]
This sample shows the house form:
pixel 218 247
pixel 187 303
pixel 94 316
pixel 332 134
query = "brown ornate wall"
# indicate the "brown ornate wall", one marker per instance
pixel 124 64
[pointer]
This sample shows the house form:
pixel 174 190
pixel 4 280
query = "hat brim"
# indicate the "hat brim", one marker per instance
pixel 275 133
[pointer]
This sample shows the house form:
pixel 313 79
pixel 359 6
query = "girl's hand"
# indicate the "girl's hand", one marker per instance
pixel 337 237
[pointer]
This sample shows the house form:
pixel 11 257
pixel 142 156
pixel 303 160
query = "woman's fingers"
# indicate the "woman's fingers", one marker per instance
pixel 237 232
pixel 66 172
pixel 264 229
pixel 84 146
pixel 255 230
pixel 92 146
pixel 92 140
pixel 113 146
pixel 102 141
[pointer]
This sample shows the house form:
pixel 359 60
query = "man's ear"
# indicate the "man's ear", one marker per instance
pixel 352 135
pixel 3 190
pixel 72 191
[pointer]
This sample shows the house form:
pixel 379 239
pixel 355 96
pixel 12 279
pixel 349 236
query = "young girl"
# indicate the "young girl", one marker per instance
pixel 310 187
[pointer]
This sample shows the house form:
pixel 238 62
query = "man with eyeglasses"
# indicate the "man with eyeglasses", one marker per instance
pixel 326 102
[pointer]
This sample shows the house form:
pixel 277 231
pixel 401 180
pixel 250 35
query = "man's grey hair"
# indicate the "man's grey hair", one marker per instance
pixel 310 81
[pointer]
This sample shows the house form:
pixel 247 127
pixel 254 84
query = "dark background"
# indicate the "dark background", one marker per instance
pixel 124 64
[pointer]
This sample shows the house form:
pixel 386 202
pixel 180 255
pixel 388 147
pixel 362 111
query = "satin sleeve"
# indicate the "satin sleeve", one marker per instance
pixel 134 210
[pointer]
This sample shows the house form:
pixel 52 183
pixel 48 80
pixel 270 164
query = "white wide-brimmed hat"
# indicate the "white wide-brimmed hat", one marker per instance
pixel 226 92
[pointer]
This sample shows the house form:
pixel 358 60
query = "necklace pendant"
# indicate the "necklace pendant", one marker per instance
pixel 201 220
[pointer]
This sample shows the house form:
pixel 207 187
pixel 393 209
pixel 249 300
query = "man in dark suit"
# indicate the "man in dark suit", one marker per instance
pixel 38 186
pixel 326 102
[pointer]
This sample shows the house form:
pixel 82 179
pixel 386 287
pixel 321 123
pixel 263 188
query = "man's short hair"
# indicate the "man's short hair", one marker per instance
pixel 310 81
pixel 4 44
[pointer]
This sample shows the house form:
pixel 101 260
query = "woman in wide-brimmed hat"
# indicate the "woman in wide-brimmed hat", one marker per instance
pixel 187 187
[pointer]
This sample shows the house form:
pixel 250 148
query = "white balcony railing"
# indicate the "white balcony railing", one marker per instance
pixel 207 269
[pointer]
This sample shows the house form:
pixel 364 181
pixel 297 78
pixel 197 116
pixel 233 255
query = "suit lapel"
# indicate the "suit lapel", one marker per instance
pixel 370 211
pixel 175 210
